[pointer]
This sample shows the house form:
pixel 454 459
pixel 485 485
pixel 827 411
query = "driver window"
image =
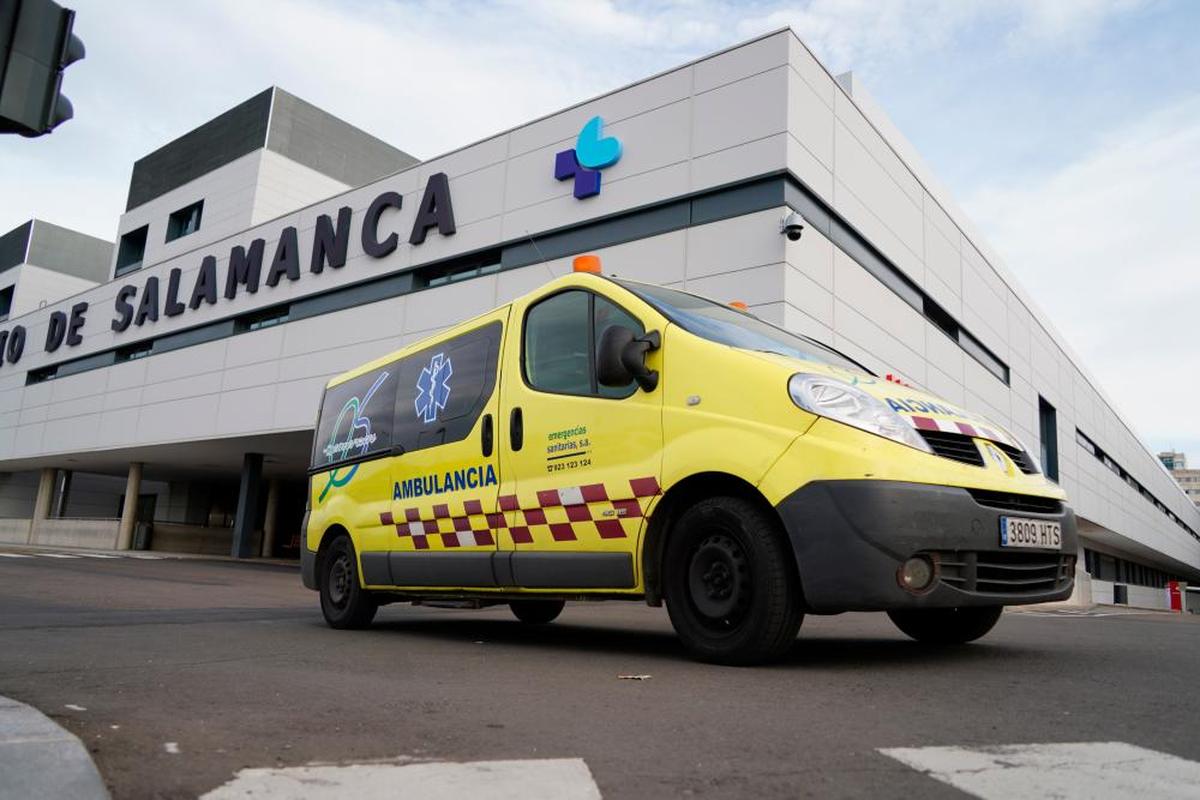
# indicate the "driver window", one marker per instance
pixel 561 336
pixel 557 344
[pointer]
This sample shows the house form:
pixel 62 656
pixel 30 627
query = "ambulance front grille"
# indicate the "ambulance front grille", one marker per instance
pixel 1003 573
pixel 954 446
pixel 961 447
pixel 1019 457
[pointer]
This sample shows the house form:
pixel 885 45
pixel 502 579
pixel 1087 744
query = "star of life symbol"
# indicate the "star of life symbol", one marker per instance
pixel 433 388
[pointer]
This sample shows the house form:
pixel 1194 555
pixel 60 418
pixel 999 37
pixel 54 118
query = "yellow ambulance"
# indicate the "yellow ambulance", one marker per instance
pixel 601 438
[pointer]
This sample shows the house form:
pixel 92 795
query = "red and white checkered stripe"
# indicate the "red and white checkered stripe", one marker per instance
pixel 475 528
pixel 575 500
pixel 463 533
pixel 948 426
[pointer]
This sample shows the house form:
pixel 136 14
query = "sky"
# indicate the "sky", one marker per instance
pixel 1068 130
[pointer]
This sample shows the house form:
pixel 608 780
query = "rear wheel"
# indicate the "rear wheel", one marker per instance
pixel 344 602
pixel 730 583
pixel 946 625
pixel 537 612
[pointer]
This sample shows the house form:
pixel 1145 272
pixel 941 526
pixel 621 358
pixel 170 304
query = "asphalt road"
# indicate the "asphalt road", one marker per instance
pixel 233 665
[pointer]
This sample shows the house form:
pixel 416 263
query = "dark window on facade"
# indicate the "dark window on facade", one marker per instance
pixel 942 318
pixel 184 221
pixel 134 351
pixel 132 250
pixel 6 298
pixel 40 375
pixel 263 318
pixel 462 274
pixel 561 334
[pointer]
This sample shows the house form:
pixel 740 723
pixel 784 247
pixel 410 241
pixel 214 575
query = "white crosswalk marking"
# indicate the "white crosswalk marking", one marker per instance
pixel 535 779
pixel 1063 771
pixel 79 554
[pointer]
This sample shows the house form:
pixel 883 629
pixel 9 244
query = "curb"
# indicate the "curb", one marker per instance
pixel 38 758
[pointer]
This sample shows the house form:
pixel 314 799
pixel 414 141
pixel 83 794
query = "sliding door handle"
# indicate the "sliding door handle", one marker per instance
pixel 488 435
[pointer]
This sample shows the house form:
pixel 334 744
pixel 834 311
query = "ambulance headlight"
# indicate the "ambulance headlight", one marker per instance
pixel 839 401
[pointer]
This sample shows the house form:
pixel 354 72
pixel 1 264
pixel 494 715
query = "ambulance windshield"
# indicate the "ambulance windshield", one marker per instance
pixel 722 324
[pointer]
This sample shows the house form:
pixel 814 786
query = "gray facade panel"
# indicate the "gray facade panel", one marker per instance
pixel 240 130
pixel 13 246
pixel 317 139
pixel 70 252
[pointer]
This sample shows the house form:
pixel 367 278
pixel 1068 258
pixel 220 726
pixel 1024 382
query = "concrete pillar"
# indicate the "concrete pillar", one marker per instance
pixel 133 487
pixel 45 494
pixel 269 524
pixel 247 508
pixel 1082 595
pixel 42 502
pixel 61 493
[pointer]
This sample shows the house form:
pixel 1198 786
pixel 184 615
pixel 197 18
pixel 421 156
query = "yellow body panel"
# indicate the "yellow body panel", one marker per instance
pixel 591 469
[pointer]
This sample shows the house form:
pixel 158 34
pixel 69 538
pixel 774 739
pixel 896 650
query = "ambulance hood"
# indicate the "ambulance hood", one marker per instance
pixel 924 411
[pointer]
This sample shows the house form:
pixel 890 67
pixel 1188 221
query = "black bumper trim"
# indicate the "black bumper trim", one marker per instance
pixel 308 566
pixel 850 537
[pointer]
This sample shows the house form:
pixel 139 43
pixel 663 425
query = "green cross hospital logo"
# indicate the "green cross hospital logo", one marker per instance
pixel 592 153
pixel 357 439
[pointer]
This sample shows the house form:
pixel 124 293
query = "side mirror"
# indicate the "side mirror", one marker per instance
pixel 621 358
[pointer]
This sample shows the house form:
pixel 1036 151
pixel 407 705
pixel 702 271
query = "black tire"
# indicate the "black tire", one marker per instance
pixel 537 612
pixel 730 583
pixel 946 625
pixel 345 604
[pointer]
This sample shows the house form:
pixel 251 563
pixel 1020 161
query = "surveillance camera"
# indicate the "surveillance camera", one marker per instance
pixel 792 226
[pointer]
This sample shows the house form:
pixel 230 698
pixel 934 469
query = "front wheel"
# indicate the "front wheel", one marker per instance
pixel 946 625
pixel 536 612
pixel 344 602
pixel 730 583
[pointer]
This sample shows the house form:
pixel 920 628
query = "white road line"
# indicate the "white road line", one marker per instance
pixel 538 779
pixel 15 555
pixel 94 555
pixel 143 556
pixel 1063 771
pixel 55 555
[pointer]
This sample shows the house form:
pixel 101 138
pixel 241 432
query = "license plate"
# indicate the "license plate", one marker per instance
pixel 1036 533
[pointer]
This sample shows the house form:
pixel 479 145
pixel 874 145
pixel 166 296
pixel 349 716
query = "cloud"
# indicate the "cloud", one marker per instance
pixel 869 35
pixel 1108 244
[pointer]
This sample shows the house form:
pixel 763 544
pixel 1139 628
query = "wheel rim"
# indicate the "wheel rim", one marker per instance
pixel 719 584
pixel 340 580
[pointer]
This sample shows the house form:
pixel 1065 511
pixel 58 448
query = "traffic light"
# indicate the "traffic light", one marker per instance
pixel 36 45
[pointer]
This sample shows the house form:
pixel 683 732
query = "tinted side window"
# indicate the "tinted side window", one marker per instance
pixel 557 344
pixel 561 335
pixel 356 418
pixel 442 389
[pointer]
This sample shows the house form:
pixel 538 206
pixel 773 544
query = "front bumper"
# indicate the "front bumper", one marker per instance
pixel 850 537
